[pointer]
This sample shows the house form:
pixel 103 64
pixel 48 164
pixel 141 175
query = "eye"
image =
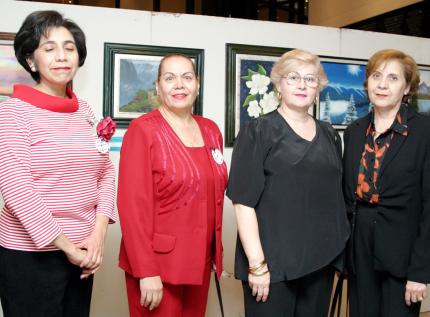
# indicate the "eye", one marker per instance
pixel 169 78
pixel 48 49
pixel 376 76
pixel 293 77
pixel 188 77
pixel 310 79
pixel 70 48
pixel 393 78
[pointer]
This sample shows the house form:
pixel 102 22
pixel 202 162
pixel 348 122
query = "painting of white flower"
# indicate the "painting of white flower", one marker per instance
pixel 261 98
pixel 254 109
pixel 258 84
pixel 269 102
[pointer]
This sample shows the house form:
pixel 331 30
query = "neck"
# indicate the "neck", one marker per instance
pixel 385 116
pixel 58 91
pixel 181 116
pixel 297 115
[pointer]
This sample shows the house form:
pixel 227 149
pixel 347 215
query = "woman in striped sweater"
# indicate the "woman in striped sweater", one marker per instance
pixel 55 177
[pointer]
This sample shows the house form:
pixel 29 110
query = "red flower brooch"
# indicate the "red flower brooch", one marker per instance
pixel 105 129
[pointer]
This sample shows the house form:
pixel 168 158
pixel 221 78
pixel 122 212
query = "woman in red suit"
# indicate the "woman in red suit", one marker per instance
pixel 172 179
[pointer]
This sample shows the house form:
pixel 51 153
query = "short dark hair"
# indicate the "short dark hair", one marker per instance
pixel 38 24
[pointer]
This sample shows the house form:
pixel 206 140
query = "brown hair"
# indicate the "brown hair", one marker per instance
pixel 410 69
pixel 289 62
pixel 166 57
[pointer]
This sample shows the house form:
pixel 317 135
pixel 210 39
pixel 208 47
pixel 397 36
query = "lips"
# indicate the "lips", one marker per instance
pixel 61 69
pixel 300 95
pixel 180 96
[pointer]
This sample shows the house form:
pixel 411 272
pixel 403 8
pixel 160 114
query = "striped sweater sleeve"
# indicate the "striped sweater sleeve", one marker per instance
pixel 16 184
pixel 106 181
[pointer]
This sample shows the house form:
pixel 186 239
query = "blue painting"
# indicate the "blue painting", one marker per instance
pixel 136 85
pixel 423 94
pixel 256 93
pixel 344 99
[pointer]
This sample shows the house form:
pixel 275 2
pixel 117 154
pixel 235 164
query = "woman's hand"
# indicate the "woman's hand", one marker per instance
pixel 151 292
pixel 94 245
pixel 415 292
pixel 259 286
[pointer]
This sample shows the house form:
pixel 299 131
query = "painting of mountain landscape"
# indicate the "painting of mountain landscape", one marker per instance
pixel 344 99
pixel 423 94
pixel 137 92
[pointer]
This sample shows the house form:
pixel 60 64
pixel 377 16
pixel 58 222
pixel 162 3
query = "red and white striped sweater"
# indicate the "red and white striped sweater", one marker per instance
pixel 52 178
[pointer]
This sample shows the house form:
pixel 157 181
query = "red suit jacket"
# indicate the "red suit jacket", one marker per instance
pixel 164 228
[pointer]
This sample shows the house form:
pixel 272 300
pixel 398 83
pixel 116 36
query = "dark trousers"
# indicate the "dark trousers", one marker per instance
pixel 308 296
pixel 42 284
pixel 373 293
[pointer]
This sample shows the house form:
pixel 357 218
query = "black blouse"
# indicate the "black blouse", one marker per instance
pixel 294 185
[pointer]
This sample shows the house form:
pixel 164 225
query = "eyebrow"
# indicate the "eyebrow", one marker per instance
pixel 170 73
pixel 53 42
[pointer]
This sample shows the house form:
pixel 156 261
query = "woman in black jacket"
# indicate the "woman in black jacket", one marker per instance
pixel 387 193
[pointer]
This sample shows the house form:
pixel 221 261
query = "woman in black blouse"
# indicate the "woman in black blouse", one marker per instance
pixel 285 183
pixel 387 193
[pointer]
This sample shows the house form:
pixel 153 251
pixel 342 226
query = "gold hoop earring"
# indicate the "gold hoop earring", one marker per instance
pixel 278 95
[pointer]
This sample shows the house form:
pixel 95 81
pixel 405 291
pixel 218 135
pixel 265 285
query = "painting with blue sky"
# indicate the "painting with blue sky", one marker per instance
pixel 423 94
pixel 344 99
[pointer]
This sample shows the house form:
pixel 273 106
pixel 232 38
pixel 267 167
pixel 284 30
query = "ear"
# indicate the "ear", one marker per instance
pixel 31 64
pixel 407 89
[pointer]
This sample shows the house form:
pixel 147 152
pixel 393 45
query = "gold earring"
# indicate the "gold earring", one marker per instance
pixel 278 95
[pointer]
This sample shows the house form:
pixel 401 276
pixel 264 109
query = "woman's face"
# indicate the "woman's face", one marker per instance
pixel 299 87
pixel 177 86
pixel 56 59
pixel 387 85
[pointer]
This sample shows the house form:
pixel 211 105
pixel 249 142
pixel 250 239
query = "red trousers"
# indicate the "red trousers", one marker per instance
pixel 177 301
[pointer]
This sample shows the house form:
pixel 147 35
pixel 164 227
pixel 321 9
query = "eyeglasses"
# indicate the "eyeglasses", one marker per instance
pixel 294 78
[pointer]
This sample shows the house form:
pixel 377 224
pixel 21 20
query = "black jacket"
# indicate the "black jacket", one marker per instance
pixel 402 228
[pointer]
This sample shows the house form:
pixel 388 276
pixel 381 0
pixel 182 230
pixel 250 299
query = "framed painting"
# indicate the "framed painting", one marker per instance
pixel 11 71
pixel 344 99
pixel 249 92
pixel 130 73
pixel 422 99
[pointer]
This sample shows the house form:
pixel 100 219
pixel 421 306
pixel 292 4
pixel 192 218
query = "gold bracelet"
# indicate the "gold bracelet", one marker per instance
pixel 259 274
pixel 253 269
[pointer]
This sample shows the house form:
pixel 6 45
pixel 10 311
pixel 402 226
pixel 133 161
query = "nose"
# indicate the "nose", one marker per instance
pixel 179 83
pixel 382 83
pixel 61 54
pixel 301 84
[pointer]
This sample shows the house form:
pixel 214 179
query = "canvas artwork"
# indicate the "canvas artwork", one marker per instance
pixel 135 85
pixel 249 92
pixel 423 94
pixel 11 71
pixel 344 99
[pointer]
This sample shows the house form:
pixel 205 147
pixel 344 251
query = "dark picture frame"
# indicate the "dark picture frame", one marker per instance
pixel 11 71
pixel 130 72
pixel 422 99
pixel 344 99
pixel 243 61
